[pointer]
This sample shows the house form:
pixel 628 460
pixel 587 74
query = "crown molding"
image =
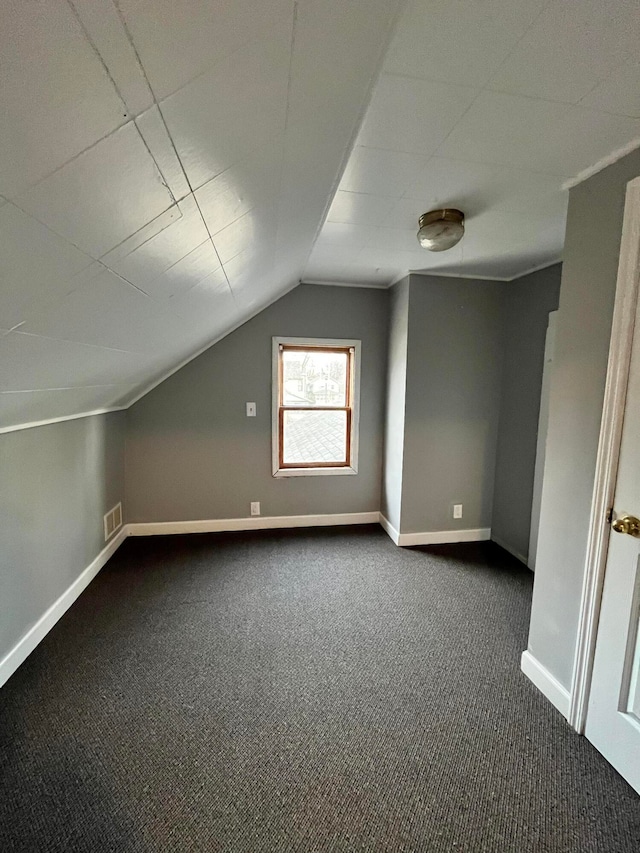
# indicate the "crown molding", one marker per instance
pixel 609 160
pixel 371 286
pixel 148 388
pixel 32 424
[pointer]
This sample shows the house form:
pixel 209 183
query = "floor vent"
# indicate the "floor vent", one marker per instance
pixel 112 521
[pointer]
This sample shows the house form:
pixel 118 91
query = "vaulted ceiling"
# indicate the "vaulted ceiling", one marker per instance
pixel 164 168
pixel 166 165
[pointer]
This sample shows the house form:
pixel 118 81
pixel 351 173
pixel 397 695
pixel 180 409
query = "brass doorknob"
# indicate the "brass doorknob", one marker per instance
pixel 627 524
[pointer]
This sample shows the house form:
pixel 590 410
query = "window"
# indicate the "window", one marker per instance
pixel 315 406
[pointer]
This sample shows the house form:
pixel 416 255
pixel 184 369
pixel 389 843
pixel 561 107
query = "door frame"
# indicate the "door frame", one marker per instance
pixel 618 366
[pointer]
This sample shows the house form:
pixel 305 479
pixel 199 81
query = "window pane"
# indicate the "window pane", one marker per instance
pixel 314 378
pixel 314 437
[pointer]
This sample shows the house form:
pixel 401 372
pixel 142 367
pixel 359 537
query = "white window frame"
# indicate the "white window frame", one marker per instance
pixel 355 412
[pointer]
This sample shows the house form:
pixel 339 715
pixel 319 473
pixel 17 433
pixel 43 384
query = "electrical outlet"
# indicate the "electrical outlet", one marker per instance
pixel 457 510
pixel 255 507
pixel 251 410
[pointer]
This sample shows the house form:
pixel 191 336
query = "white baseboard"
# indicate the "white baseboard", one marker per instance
pixel 445 537
pixel 435 537
pixel 546 683
pixel 510 550
pixel 390 529
pixel 266 522
pixel 27 644
pixel 30 640
pixel 33 637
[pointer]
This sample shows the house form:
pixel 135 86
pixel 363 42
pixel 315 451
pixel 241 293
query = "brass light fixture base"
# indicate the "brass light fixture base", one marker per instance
pixel 447 214
pixel 441 229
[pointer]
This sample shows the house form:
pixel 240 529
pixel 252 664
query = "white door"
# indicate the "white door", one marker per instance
pixel 613 716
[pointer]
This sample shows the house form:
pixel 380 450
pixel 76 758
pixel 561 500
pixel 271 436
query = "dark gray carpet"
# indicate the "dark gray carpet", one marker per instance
pixel 298 691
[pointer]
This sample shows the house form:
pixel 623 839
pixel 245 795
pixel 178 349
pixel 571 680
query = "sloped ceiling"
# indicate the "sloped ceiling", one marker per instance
pixel 165 166
pixel 489 106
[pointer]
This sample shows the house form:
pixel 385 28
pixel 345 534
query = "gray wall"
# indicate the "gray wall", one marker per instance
pixel 57 482
pixel 391 499
pixel 591 252
pixel 452 403
pixel 193 454
pixel 527 304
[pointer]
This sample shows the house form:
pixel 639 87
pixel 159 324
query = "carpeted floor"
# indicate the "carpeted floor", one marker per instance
pixel 315 690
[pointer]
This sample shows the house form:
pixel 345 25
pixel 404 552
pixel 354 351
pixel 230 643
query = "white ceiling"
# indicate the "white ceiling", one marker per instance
pixel 165 166
pixel 489 106
pixel 164 169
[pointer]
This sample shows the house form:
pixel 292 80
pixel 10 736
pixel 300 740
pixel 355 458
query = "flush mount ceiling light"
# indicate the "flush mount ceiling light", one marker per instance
pixel 441 229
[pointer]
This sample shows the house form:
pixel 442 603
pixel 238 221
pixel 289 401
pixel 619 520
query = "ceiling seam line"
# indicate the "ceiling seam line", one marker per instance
pixel 544 8
pixel 149 295
pixel 12 199
pixel 140 289
pixel 171 140
pixel 125 280
pixel 351 144
pixel 129 113
pixel 240 49
pixel 154 384
pixel 88 37
pixel 163 180
pixel 294 25
pixel 495 165
pixel 435 153
pixel 78 343
pixel 485 87
pixel 149 239
pixel 93 259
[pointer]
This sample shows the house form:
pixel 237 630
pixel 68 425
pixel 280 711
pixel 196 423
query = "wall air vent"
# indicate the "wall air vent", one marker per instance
pixel 112 521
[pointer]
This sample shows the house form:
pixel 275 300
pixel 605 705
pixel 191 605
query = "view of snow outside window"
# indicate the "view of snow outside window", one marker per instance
pixel 313 378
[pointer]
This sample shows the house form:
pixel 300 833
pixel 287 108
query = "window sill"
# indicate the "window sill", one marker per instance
pixel 314 472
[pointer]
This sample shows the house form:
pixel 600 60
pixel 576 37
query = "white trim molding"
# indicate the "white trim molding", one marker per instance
pixel 622 332
pixel 135 394
pixel 389 529
pixel 445 537
pixel 32 424
pixel 434 537
pixel 601 164
pixel 546 683
pixel 356 347
pixel 23 648
pixel 510 550
pixel 433 273
pixel 266 522
pixel 368 285
pixel 529 271
pixel 38 632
